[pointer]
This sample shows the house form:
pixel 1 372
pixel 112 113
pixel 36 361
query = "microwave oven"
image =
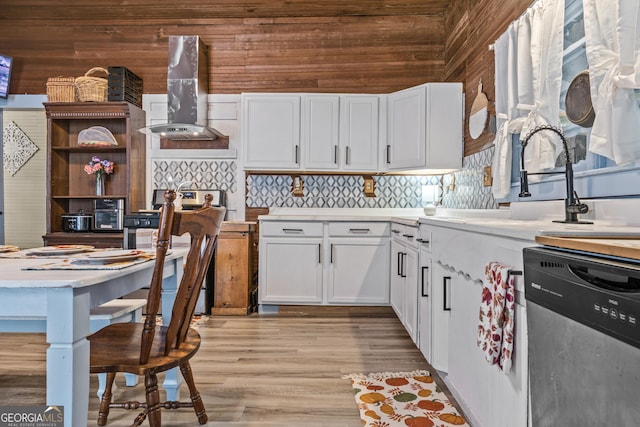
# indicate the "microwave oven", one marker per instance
pixel 108 215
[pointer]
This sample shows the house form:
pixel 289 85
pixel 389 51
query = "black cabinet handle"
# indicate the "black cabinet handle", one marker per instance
pixel 388 154
pixel 297 155
pixel 347 155
pixel 445 279
pixel 399 271
pixel 359 230
pixel 292 230
pixel 319 253
pixel 424 282
pixel 335 154
pixel 331 254
pixel 403 269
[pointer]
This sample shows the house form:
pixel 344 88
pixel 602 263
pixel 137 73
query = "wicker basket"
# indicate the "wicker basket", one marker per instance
pixel 92 88
pixel 61 89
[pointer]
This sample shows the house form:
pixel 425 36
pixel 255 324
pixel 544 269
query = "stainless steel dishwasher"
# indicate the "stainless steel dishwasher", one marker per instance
pixel 584 339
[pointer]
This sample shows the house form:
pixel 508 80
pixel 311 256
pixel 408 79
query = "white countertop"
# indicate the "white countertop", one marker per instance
pixel 523 220
pixel 340 214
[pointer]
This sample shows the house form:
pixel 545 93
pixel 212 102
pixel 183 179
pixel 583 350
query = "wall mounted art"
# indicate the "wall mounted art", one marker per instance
pixel 17 147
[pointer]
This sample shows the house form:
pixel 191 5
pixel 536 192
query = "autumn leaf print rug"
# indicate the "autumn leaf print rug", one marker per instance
pixel 411 399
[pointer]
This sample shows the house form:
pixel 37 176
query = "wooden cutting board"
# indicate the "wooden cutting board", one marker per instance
pixel 616 246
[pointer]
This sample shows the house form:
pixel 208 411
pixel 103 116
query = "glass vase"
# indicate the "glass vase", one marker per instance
pixel 99 184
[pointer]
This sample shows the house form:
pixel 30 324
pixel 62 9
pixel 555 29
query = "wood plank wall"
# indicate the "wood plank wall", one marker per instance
pixel 471 26
pixel 374 46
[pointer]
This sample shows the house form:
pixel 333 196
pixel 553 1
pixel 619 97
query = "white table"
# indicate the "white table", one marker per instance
pixel 65 298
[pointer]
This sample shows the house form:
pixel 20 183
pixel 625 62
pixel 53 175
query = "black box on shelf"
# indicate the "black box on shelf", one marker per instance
pixel 124 85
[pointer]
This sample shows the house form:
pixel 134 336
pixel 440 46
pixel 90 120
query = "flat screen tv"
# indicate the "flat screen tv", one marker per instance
pixel 5 74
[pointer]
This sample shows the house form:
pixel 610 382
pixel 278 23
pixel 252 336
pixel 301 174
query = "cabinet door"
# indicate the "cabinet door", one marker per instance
pixel 396 292
pixel 406 115
pixel 358 271
pixel 424 127
pixel 320 131
pixel 359 132
pixel 468 372
pixel 440 313
pixel 509 392
pixel 271 131
pixel 290 271
pixel 424 305
pixel 411 292
pixel 444 115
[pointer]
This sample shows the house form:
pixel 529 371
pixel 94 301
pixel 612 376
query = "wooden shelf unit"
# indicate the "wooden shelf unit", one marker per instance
pixel 69 188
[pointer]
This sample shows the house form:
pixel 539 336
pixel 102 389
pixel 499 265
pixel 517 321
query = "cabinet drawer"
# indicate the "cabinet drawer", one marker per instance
pixel 291 229
pixel 410 236
pixel 359 229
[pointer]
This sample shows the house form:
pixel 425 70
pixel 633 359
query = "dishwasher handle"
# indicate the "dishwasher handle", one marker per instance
pixel 607 280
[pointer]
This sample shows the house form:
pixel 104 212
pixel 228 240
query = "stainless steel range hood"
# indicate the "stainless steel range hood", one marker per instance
pixel 187 92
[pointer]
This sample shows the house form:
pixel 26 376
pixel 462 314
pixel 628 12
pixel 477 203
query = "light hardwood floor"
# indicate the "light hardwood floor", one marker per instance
pixel 258 370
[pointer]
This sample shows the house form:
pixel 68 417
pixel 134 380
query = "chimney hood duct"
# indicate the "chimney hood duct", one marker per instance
pixel 187 92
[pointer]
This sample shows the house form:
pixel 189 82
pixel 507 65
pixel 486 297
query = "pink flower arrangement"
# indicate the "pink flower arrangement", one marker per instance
pixel 99 167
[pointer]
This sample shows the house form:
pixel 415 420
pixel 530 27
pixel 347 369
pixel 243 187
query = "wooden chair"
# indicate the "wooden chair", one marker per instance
pixel 147 349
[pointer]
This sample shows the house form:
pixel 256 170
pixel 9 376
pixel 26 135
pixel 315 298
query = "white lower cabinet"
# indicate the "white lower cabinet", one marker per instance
pixel 324 263
pixel 467 368
pixel 489 397
pixel 440 314
pixel 290 265
pixel 292 271
pixel 404 276
pixel 358 271
pixel 425 320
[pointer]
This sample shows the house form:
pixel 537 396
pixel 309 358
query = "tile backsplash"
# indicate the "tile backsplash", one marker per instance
pixel 204 174
pixel 469 192
pixel 392 191
pixel 339 191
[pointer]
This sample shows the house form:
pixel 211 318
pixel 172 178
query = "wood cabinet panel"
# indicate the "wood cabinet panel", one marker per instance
pixel 235 288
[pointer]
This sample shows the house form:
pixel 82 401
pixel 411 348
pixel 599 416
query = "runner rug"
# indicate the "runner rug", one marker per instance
pixel 411 399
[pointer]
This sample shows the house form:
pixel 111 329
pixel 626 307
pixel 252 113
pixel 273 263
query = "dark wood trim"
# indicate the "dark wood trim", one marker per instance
pixel 222 142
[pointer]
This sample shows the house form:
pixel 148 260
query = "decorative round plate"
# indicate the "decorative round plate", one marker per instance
pixel 8 248
pixel 59 250
pixel 108 257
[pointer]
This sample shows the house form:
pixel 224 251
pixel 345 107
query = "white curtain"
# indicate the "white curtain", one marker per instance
pixel 528 63
pixel 547 36
pixel 612 32
pixel 506 96
pixel 514 96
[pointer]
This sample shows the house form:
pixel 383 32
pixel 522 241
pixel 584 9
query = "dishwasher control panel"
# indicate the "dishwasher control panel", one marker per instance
pixel 601 293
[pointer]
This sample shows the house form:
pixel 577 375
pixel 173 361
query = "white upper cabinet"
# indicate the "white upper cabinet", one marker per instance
pixel 340 132
pixel 424 127
pixel 314 132
pixel 359 123
pixel 320 131
pixel 271 131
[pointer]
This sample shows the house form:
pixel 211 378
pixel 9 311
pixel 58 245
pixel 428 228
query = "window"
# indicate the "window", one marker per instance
pixel 595 176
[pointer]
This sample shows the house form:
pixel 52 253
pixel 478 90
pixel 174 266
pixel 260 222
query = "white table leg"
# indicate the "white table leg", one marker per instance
pixel 173 275
pixel 68 353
